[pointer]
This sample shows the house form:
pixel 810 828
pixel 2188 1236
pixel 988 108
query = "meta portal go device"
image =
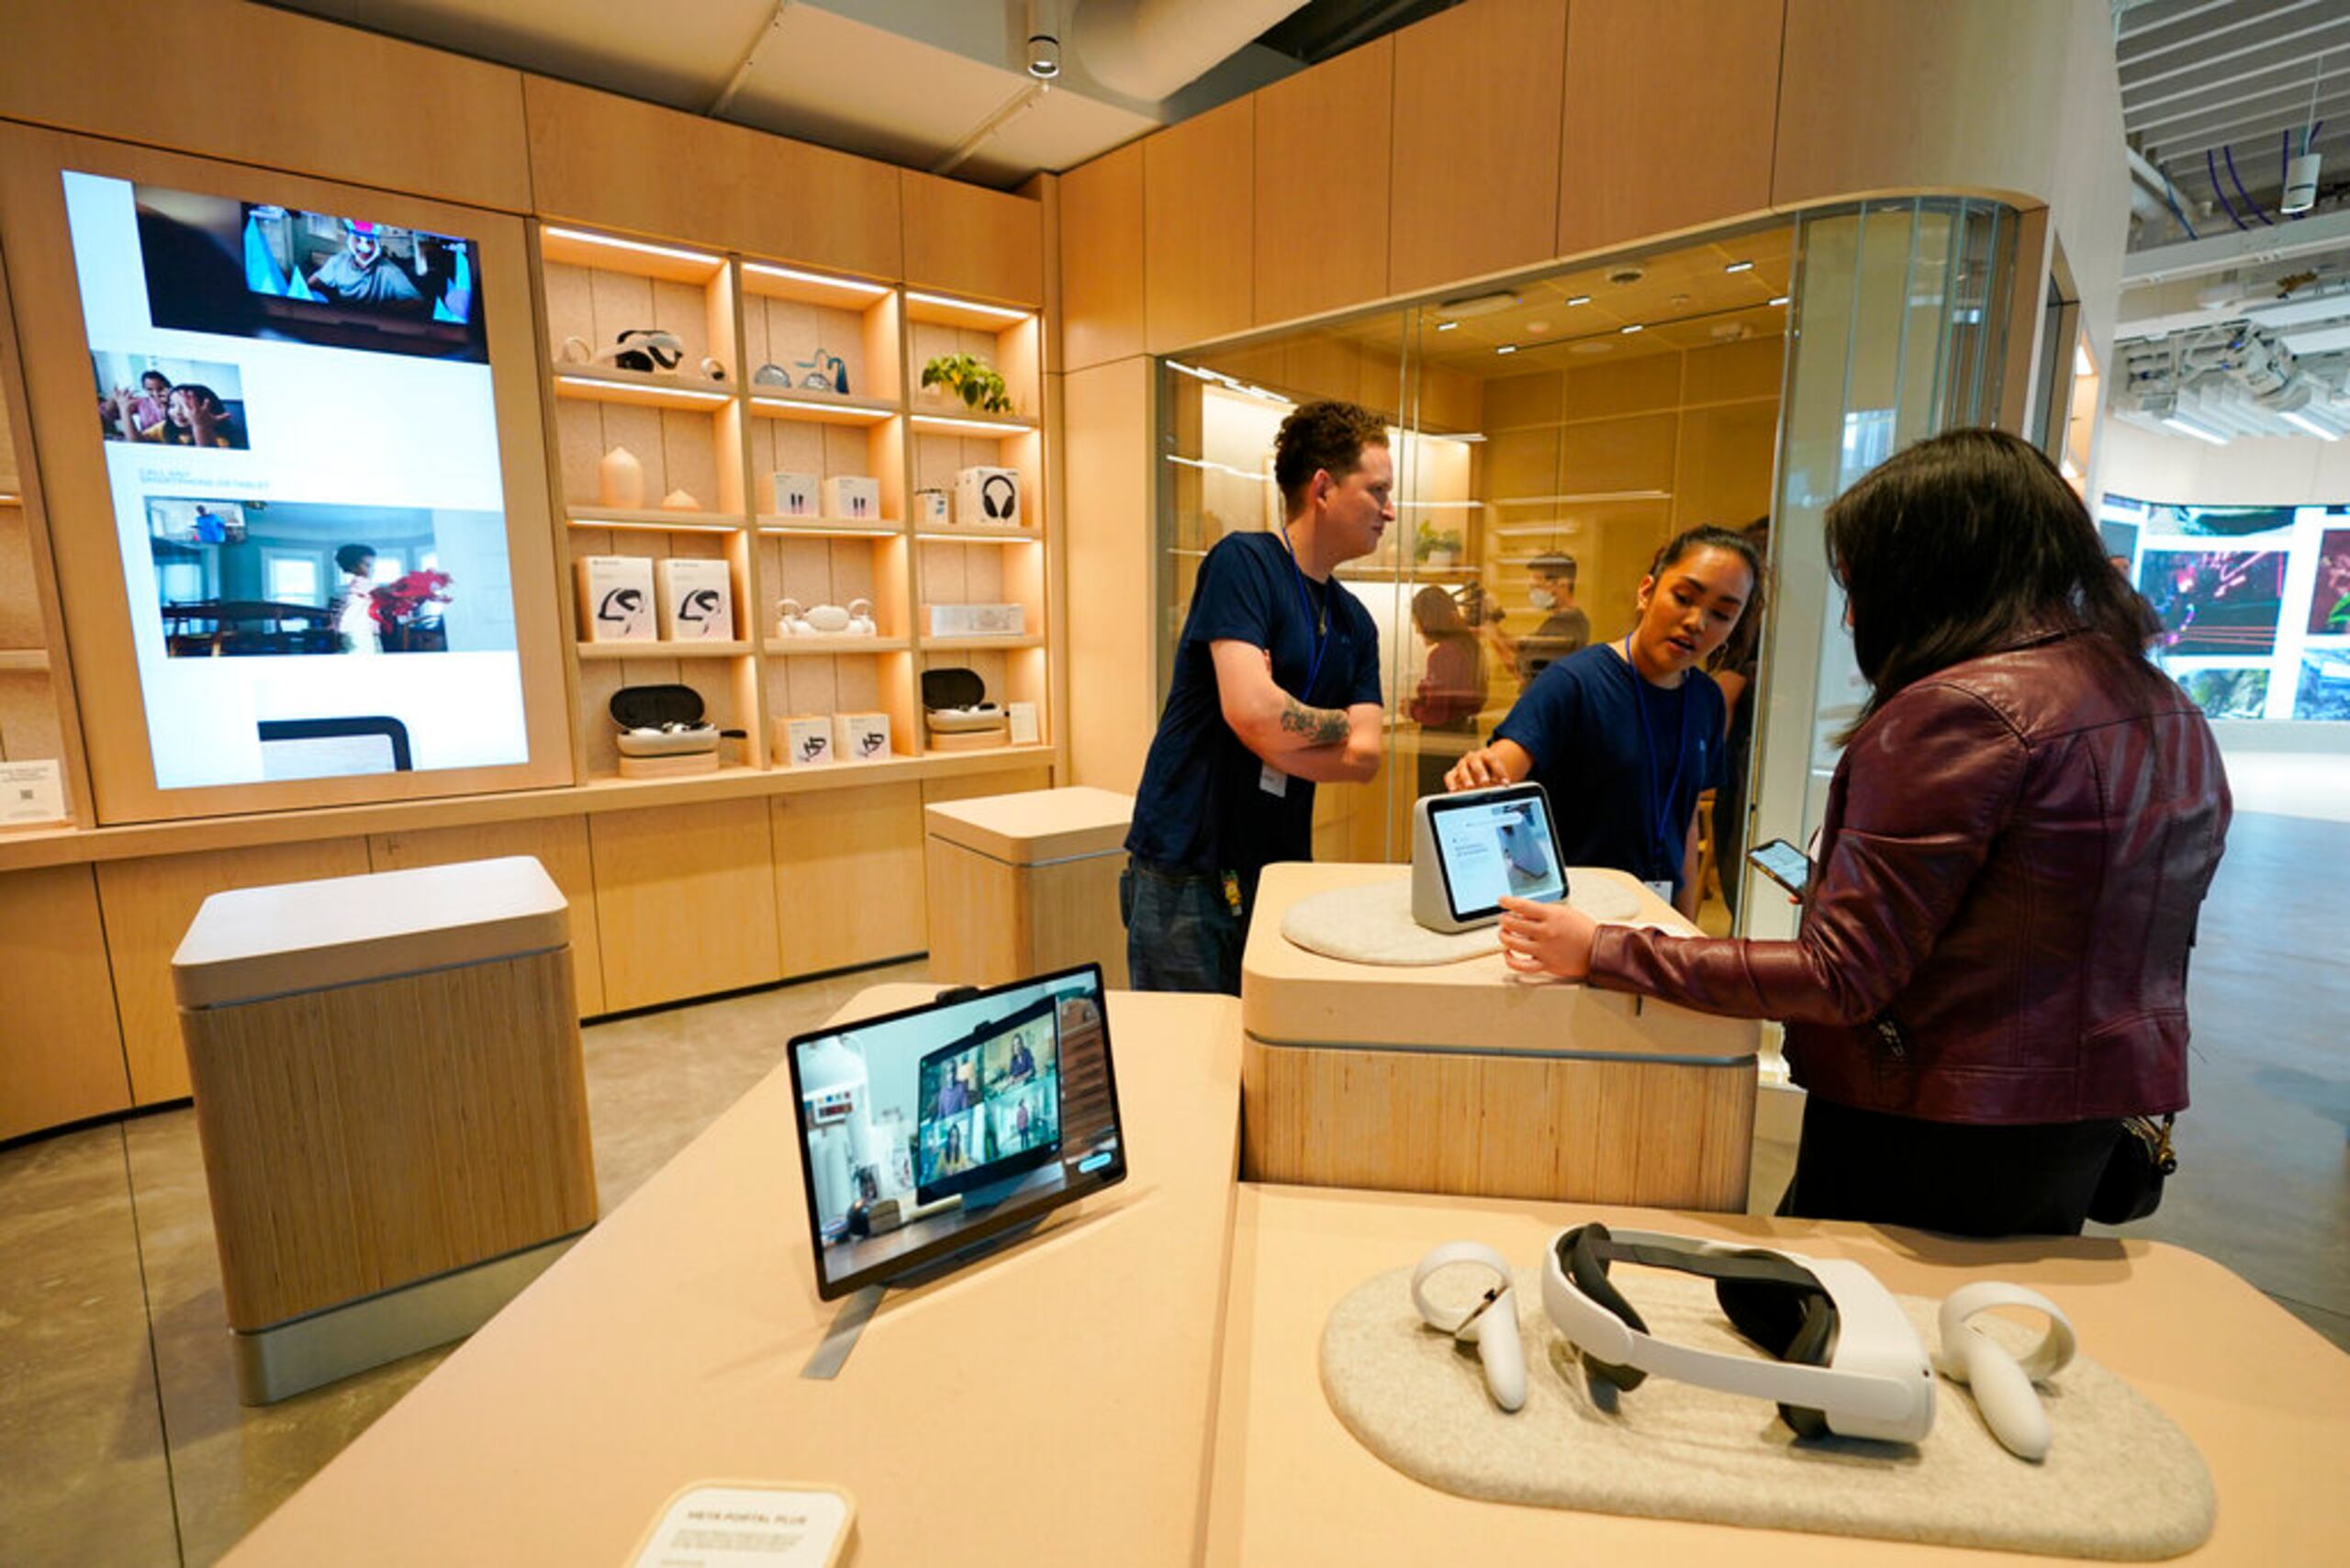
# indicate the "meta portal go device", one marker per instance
pixel 1472 850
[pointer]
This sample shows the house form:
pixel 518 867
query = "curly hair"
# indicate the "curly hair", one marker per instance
pixel 1322 438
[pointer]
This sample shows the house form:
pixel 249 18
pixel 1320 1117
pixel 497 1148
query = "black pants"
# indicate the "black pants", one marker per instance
pixel 1961 1178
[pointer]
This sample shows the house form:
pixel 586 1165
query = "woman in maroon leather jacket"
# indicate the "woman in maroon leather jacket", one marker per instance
pixel 1992 969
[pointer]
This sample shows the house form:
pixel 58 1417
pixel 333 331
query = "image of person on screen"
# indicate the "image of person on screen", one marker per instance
pixel 194 415
pixel 361 274
pixel 954 1092
pixel 1275 690
pixel 351 610
pixel 1625 735
pixel 1024 1060
pixel 126 414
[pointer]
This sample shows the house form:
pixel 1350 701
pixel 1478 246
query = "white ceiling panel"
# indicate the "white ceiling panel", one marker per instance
pixel 1059 131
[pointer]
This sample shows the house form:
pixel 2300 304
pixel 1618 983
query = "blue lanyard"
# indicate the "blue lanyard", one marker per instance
pixel 1657 817
pixel 1305 599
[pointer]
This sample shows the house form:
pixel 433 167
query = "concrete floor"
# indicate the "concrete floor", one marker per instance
pixel 122 1439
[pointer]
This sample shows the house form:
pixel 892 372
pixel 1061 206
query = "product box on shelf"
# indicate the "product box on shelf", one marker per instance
pixel 797 495
pixel 697 599
pixel 977 620
pixel 852 496
pixel 616 598
pixel 861 737
pixel 987 498
pixel 1022 718
pixel 930 508
pixel 803 740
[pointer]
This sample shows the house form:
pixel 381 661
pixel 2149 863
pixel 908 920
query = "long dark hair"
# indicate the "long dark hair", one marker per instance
pixel 1952 548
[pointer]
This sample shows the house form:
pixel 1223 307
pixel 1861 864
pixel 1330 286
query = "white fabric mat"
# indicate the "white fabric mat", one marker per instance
pixel 1372 924
pixel 2120 1483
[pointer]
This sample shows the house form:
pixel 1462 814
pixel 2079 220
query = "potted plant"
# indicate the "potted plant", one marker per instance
pixel 1433 546
pixel 971 379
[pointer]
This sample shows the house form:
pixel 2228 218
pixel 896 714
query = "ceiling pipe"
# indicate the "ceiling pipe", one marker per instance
pixel 1149 50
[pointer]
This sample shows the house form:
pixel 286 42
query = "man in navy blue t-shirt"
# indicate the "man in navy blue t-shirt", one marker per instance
pixel 1626 735
pixel 1276 689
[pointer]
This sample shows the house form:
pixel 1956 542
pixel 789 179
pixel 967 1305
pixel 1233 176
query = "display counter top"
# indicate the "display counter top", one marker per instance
pixel 1138 1383
pixel 1292 997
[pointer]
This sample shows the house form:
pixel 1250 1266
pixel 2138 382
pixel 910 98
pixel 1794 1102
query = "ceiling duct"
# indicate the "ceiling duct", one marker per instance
pixel 1149 49
pixel 2237 379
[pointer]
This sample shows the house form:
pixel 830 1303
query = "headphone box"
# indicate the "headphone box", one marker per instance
pixel 854 498
pixel 796 495
pixel 616 598
pixel 696 599
pixel 803 740
pixel 987 498
pixel 861 737
pixel 977 620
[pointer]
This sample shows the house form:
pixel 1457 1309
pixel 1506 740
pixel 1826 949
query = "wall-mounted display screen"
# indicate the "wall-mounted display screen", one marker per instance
pixel 2254 601
pixel 301 443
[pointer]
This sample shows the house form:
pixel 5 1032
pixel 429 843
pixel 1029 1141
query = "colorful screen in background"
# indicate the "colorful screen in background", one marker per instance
pixel 301 440
pixel 2255 603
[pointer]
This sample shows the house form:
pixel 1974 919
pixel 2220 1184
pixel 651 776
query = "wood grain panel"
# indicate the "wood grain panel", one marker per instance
pixel 29 726
pixel 1723 471
pixel 975 938
pixel 614 163
pixel 260 85
pixel 685 901
pixel 1734 372
pixel 61 1050
pixel 1322 160
pixel 1102 264
pixel 367 1137
pixel 969 786
pixel 849 877
pixel 1670 109
pixel 969 239
pixel 1925 97
pixel 147 905
pixel 1633 386
pixel 1113 697
pixel 1609 455
pixel 1069 915
pixel 1476 161
pixel 1596 1131
pixel 1198 209
pixel 21 625
pixel 559 844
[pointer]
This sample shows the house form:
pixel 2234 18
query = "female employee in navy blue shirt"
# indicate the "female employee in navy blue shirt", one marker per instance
pixel 1626 735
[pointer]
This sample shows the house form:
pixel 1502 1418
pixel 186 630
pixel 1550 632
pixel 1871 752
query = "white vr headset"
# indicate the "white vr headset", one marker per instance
pixel 1847 1360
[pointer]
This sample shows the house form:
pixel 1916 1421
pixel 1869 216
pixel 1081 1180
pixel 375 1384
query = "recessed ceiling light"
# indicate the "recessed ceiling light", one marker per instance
pixel 1781 299
pixel 1740 267
pixel 1506 348
pixel 1633 326
pixel 1578 299
pixel 1447 326
pixel 1475 305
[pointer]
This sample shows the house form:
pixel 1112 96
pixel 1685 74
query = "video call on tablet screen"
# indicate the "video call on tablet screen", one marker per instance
pixel 928 1130
pixel 1495 846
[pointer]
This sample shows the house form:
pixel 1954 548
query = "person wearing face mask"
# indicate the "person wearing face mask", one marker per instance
pixel 1565 630
pixel 1626 735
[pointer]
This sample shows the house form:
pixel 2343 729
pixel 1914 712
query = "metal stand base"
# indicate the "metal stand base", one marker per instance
pixel 304 1353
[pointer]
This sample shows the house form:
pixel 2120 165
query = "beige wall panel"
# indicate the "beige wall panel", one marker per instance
pixel 1924 96
pixel 20 625
pixel 1634 386
pixel 1112 688
pixel 1734 372
pixel 1513 400
pixel 1610 456
pixel 258 85
pixel 1723 476
pixel 559 844
pixel 1322 160
pixel 848 876
pixel 969 239
pixel 147 905
pixel 2090 202
pixel 1668 122
pixel 1451 400
pixel 1476 163
pixel 61 1051
pixel 971 785
pixel 976 939
pixel 684 900
pixel 1198 227
pixel 608 160
pixel 1102 259
pixel 28 727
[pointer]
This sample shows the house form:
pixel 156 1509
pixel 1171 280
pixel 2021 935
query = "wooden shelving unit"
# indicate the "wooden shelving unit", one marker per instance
pixel 820 377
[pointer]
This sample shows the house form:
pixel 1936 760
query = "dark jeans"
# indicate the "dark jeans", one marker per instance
pixel 1964 1179
pixel 1181 935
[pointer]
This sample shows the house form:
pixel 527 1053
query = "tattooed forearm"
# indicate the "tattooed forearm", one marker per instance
pixel 1320 726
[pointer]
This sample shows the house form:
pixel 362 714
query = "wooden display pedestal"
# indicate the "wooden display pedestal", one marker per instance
pixel 1466 1079
pixel 394 1116
pixel 1024 884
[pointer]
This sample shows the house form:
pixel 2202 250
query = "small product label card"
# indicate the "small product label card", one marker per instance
pixel 734 1524
pixel 31 792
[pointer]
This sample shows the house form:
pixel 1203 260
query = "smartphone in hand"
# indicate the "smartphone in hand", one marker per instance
pixel 1783 864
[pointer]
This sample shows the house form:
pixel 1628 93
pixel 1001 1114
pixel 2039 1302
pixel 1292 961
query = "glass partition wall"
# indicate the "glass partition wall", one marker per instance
pixel 1550 433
